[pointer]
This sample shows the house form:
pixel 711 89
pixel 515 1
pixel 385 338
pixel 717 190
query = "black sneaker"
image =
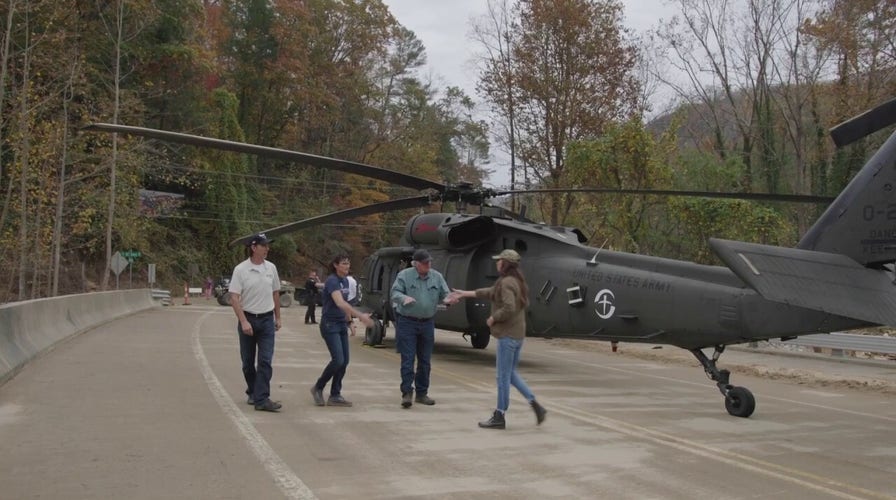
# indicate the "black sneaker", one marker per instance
pixel 318 395
pixel 338 401
pixel 425 400
pixel 406 400
pixel 539 410
pixel 496 422
pixel 250 401
pixel 268 405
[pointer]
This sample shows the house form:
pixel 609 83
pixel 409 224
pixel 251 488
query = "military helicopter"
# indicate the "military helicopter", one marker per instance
pixel 833 280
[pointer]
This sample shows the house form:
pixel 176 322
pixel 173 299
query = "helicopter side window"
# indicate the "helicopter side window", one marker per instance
pixel 547 291
pixel 575 295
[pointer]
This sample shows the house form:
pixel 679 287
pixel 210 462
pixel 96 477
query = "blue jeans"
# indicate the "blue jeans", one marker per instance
pixel 335 334
pixel 414 339
pixel 506 361
pixel 258 379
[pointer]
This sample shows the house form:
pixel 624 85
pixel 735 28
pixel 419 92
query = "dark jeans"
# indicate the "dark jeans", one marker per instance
pixel 309 314
pixel 414 339
pixel 335 334
pixel 258 379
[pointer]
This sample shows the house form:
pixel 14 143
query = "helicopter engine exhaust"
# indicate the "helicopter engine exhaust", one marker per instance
pixel 450 231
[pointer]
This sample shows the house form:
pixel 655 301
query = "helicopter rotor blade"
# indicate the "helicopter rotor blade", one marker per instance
pixel 375 208
pixel 796 198
pixel 382 174
pixel 865 124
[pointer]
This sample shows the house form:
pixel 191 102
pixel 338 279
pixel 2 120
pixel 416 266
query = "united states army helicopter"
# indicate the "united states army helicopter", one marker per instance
pixel 835 279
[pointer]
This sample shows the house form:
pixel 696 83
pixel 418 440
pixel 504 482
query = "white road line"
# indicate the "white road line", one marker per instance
pixel 283 476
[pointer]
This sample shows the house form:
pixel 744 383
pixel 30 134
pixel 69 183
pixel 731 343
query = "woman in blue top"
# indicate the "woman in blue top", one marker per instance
pixel 336 315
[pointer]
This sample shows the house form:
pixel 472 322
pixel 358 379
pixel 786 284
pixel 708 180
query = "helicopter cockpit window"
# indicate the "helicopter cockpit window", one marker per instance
pixel 576 295
pixel 519 245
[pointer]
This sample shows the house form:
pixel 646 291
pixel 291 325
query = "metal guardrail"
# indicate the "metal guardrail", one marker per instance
pixel 163 296
pixel 841 342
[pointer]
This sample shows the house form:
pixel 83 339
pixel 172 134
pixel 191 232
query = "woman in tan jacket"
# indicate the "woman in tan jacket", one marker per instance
pixel 509 297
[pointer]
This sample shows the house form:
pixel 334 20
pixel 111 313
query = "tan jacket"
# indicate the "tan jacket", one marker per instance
pixel 507 308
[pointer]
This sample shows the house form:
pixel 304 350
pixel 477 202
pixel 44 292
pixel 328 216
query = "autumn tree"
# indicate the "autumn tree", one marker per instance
pixel 861 37
pixel 494 32
pixel 572 77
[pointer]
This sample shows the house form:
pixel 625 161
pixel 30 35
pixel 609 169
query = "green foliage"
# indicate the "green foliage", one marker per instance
pixel 625 157
pixel 700 219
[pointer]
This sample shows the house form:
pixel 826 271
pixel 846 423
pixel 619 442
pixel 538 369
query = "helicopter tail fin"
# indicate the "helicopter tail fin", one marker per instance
pixel 861 222
pixel 795 277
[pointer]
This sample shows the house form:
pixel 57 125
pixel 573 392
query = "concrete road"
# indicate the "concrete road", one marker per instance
pixel 152 406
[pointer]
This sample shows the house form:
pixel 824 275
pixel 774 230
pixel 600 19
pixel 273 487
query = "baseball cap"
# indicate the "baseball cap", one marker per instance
pixel 259 239
pixel 422 255
pixel 508 255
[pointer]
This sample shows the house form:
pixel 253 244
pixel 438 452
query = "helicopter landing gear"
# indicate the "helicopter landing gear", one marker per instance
pixel 739 401
pixel 478 339
pixel 373 335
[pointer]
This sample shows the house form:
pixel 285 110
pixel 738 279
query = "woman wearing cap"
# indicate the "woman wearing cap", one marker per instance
pixel 509 297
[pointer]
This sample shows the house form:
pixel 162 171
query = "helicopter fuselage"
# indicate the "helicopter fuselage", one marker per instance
pixel 584 292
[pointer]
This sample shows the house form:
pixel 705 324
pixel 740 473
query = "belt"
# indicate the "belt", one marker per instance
pixel 414 318
pixel 262 315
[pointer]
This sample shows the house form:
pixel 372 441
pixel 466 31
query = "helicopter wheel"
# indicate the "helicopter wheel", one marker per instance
pixel 479 340
pixel 740 402
pixel 374 335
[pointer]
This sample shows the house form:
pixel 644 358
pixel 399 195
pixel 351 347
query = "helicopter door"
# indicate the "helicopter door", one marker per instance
pixel 376 288
pixel 456 276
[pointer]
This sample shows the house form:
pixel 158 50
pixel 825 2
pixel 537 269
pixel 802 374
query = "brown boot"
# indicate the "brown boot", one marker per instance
pixel 496 422
pixel 539 410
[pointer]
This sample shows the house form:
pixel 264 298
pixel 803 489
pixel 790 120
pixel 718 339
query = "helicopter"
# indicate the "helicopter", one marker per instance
pixel 835 279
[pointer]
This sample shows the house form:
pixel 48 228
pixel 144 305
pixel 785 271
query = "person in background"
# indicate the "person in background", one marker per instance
pixel 509 297
pixel 415 295
pixel 354 299
pixel 255 293
pixel 312 286
pixel 209 285
pixel 334 319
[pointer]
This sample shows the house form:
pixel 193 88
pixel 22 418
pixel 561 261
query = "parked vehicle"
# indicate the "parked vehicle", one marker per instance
pixel 287 290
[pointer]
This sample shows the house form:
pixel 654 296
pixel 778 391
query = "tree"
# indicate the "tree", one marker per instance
pixel 625 157
pixel 495 32
pixel 572 77
pixel 122 20
pixel 860 36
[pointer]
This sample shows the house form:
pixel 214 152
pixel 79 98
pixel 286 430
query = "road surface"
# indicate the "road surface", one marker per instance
pixel 152 406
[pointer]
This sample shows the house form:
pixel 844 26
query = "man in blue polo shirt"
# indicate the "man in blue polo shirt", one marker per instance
pixel 416 293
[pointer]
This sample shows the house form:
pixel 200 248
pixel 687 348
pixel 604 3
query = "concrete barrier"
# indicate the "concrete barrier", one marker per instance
pixel 27 329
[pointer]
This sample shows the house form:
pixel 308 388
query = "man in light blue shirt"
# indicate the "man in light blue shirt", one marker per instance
pixel 416 293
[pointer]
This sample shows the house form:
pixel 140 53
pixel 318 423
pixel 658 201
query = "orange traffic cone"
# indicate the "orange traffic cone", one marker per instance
pixel 186 294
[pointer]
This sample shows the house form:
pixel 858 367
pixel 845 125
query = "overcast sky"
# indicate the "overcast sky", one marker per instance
pixel 444 28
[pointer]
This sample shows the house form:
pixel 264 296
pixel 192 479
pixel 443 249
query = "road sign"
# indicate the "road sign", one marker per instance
pixel 118 263
pixel 130 254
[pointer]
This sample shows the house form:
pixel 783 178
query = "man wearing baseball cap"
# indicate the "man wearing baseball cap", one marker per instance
pixel 415 294
pixel 255 293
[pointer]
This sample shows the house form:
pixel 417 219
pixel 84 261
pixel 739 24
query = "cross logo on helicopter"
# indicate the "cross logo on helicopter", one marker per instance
pixel 603 304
